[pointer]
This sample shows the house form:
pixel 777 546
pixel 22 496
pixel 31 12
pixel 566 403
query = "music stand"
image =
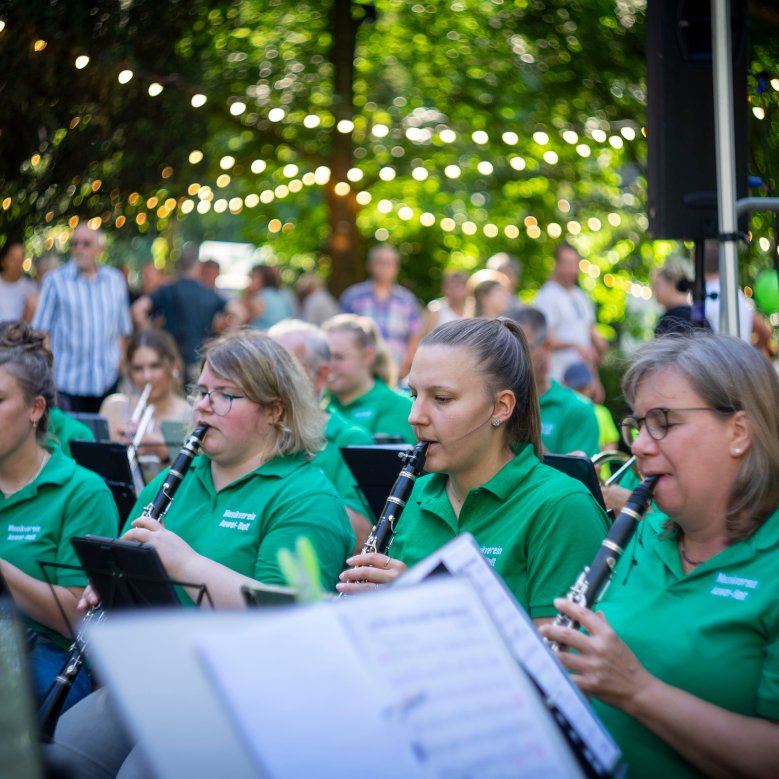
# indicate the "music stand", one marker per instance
pixel 97 423
pixel 109 460
pixel 125 574
pixel 581 468
pixel 375 469
pixel 261 595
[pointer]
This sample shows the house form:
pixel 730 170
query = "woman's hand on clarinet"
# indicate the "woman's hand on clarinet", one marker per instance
pixel 368 572
pixel 174 552
pixel 603 664
pixel 89 598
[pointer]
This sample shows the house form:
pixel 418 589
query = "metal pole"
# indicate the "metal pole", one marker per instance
pixel 726 165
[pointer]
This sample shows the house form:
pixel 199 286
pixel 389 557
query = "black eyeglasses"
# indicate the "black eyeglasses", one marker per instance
pixel 657 422
pixel 77 242
pixel 221 401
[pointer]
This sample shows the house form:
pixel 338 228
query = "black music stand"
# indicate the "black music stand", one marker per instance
pixel 375 469
pixel 126 574
pixel 581 468
pixel 109 460
pixel 261 595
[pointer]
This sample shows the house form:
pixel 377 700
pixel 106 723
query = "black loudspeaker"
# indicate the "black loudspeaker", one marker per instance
pixel 682 166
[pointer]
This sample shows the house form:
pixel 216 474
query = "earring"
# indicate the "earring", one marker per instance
pixel 495 422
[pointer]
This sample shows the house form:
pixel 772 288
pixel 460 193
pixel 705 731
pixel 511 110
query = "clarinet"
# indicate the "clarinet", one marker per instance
pixel 62 684
pixel 383 532
pixel 594 579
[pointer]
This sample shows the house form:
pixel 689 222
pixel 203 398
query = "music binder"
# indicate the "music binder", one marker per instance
pixel 596 751
pixel 109 460
pixel 421 674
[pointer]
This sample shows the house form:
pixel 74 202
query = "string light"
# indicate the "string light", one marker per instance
pixel 226 162
pixel 237 108
pixel 345 126
pixel 480 137
pixel 125 77
pixel 419 173
pixel 258 166
pixel 198 100
pixel 195 156
pixel 541 138
pixel 276 114
pixel 510 138
pixel 81 62
pixel 155 89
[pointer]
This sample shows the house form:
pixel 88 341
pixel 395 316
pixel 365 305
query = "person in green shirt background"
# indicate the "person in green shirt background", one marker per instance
pixel 568 421
pixel 362 377
pixel 308 343
pixel 46 499
pixel 63 428
pixel 682 660
pixel 475 403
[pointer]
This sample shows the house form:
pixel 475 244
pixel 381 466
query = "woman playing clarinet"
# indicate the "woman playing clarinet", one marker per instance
pixel 682 659
pixel 45 500
pixel 252 492
pixel 475 402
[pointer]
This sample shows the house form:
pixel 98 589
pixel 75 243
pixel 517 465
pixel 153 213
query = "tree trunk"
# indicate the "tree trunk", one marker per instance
pixel 344 241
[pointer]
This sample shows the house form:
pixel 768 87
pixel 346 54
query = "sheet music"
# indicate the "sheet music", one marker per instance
pixel 462 557
pixel 400 683
pixel 471 711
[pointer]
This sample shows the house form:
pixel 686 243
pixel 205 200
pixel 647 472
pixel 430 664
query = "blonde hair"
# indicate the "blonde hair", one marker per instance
pixel 730 376
pixel 264 371
pixel 365 334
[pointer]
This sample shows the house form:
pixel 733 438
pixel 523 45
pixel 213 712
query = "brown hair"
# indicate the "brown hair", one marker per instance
pixel 365 334
pixel 503 358
pixel 24 355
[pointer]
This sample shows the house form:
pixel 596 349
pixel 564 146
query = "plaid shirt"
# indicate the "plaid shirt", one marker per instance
pixel 85 318
pixel 397 316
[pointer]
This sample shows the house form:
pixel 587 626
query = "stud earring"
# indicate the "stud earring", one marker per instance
pixel 495 422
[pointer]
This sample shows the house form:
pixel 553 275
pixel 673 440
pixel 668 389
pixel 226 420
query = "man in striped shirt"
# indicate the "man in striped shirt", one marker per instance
pixel 84 308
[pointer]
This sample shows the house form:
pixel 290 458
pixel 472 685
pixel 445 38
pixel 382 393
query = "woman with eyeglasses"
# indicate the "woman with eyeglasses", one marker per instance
pixel 252 492
pixel 682 658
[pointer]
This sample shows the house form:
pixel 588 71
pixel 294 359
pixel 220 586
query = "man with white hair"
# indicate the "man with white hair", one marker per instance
pixel 84 308
pixel 309 344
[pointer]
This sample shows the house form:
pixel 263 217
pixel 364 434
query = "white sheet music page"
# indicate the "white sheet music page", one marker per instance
pixel 304 701
pixel 462 557
pixel 415 681
pixel 472 712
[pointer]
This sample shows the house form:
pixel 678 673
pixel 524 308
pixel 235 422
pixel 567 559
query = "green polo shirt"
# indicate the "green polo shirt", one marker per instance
pixel 38 521
pixel 341 432
pixel 63 429
pixel 246 523
pixel 568 421
pixel 536 526
pixel 380 411
pixel 713 632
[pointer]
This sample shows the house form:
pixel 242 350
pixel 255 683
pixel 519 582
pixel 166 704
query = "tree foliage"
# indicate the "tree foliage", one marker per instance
pixel 472 126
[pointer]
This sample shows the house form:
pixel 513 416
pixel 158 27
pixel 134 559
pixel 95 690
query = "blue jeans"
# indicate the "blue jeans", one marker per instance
pixel 46 661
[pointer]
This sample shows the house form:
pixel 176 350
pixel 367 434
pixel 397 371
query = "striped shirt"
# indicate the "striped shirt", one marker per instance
pixel 397 317
pixel 85 318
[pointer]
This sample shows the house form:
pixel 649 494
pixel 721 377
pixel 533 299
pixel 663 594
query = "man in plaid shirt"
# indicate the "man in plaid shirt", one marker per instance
pixel 393 308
